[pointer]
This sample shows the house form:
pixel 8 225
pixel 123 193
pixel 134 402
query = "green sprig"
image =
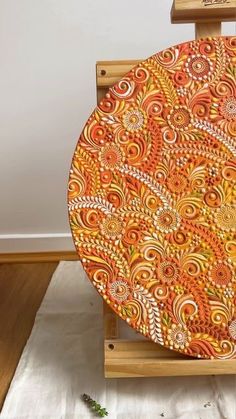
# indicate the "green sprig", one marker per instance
pixel 96 407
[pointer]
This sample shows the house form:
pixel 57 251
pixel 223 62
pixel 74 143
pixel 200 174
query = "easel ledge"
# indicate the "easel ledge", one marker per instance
pixel 141 358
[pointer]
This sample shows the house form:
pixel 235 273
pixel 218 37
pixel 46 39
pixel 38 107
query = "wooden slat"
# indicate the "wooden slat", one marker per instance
pixel 38 257
pixel 109 72
pixel 136 349
pixel 203 30
pixel 186 11
pixel 146 359
pixel 148 367
pixel 101 91
pixel 110 324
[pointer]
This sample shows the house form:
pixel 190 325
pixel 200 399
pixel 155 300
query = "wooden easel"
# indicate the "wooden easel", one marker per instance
pixel 141 358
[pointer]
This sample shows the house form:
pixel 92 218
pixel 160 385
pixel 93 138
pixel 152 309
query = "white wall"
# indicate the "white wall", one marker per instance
pixel 48 50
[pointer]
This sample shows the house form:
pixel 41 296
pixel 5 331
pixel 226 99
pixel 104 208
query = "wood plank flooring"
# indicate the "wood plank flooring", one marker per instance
pixel 22 288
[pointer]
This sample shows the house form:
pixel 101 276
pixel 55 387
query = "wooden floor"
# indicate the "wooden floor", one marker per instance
pixel 22 288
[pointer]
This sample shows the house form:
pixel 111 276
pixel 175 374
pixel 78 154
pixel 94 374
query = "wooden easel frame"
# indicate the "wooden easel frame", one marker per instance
pixel 142 358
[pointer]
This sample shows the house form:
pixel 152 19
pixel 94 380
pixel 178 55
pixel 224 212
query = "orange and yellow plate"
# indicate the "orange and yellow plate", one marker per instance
pixel 152 198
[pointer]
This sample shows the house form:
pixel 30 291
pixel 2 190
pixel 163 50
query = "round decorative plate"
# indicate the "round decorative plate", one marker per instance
pixel 152 198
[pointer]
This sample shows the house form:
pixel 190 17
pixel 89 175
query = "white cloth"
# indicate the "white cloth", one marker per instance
pixel 63 358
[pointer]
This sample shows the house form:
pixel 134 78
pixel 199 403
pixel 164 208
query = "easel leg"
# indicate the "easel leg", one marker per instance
pixel 203 30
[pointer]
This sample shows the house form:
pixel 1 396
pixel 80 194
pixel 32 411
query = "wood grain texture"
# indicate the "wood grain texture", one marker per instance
pixel 203 30
pixel 38 257
pixel 110 72
pixel 110 323
pixel 22 288
pixel 126 358
pixel 141 358
pixel 187 11
pixel 164 367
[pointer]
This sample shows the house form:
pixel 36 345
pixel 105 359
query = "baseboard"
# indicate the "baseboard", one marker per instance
pixel 33 257
pixel 24 243
pixel 30 248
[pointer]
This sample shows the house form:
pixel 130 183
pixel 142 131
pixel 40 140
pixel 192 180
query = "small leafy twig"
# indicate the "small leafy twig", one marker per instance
pixel 96 407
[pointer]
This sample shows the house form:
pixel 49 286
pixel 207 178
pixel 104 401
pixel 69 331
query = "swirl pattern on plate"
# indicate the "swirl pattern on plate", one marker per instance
pixel 152 198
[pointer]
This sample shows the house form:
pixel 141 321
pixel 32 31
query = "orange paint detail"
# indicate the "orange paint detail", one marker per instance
pixel 152 198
